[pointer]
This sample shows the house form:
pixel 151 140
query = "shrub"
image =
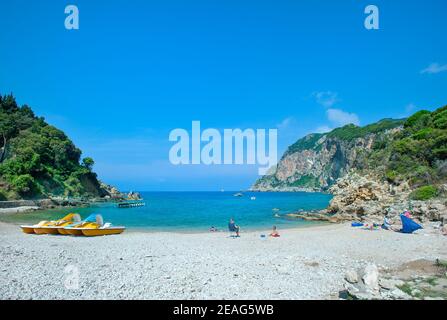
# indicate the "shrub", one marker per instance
pixel 440 119
pixel 419 119
pixel 24 184
pixel 3 195
pixel 424 193
pixel 391 175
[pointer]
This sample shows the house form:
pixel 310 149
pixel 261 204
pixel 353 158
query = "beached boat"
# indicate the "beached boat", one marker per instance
pixel 50 227
pixel 103 231
pixel 27 229
pixel 75 229
pixel 94 226
pixel 46 230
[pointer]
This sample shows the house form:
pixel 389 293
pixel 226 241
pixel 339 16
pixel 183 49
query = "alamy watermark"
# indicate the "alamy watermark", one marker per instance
pixel 372 20
pixel 235 146
pixel 71 279
pixel 72 19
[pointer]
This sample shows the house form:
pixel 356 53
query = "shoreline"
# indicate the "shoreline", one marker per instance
pixel 284 221
pixel 197 231
pixel 304 263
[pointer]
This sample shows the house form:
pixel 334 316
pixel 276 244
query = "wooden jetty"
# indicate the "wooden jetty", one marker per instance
pixel 131 204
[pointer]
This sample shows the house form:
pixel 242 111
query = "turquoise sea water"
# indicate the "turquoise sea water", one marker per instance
pixel 195 211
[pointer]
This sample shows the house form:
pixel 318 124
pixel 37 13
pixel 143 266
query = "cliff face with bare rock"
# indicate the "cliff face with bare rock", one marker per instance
pixel 381 169
pixel 315 162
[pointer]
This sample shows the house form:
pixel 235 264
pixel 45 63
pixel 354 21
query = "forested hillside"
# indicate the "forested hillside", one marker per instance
pixel 38 160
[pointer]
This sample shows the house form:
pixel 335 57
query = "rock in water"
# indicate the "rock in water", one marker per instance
pixel 371 277
pixel 133 196
pixel 351 276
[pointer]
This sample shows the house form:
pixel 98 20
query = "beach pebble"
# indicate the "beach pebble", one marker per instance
pixel 389 284
pixel 352 276
pixel 371 277
pixel 310 263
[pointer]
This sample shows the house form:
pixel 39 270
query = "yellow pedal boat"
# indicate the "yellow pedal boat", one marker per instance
pixel 106 230
pixel 75 229
pixel 93 229
pixel 51 227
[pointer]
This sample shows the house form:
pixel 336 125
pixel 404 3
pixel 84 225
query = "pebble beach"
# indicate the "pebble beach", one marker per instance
pixel 304 263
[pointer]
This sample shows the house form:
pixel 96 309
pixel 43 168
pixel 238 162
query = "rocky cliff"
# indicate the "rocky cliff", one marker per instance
pixel 315 162
pixel 382 169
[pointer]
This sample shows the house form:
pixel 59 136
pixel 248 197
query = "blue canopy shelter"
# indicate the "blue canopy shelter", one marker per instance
pixel 408 225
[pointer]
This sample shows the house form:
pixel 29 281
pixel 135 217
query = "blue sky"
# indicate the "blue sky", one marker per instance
pixel 135 70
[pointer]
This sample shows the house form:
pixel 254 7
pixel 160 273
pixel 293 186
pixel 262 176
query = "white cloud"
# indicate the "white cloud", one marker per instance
pixel 287 122
pixel 340 118
pixel 326 98
pixel 434 68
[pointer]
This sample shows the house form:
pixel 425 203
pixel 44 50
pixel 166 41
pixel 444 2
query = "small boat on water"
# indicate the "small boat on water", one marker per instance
pixel 253 198
pixel 239 194
pixel 51 227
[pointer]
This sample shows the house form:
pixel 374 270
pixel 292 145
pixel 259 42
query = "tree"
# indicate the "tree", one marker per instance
pixel 88 163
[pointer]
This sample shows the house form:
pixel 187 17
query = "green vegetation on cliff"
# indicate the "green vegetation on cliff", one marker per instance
pixel 306 143
pixel 351 131
pixel 37 159
pixel 418 153
pixel 346 133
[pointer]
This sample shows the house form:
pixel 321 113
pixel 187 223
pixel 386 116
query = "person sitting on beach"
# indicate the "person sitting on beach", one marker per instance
pixel 386 224
pixel 233 227
pixel 213 229
pixel 275 233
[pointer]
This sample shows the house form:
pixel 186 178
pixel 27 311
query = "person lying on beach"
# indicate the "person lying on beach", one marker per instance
pixel 233 227
pixel 275 233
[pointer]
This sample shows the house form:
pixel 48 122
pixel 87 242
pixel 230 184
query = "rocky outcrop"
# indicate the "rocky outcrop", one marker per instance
pixel 367 198
pixel 112 192
pixel 358 197
pixel 134 196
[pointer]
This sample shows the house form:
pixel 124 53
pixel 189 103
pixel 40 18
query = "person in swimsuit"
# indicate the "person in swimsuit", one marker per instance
pixel 275 233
